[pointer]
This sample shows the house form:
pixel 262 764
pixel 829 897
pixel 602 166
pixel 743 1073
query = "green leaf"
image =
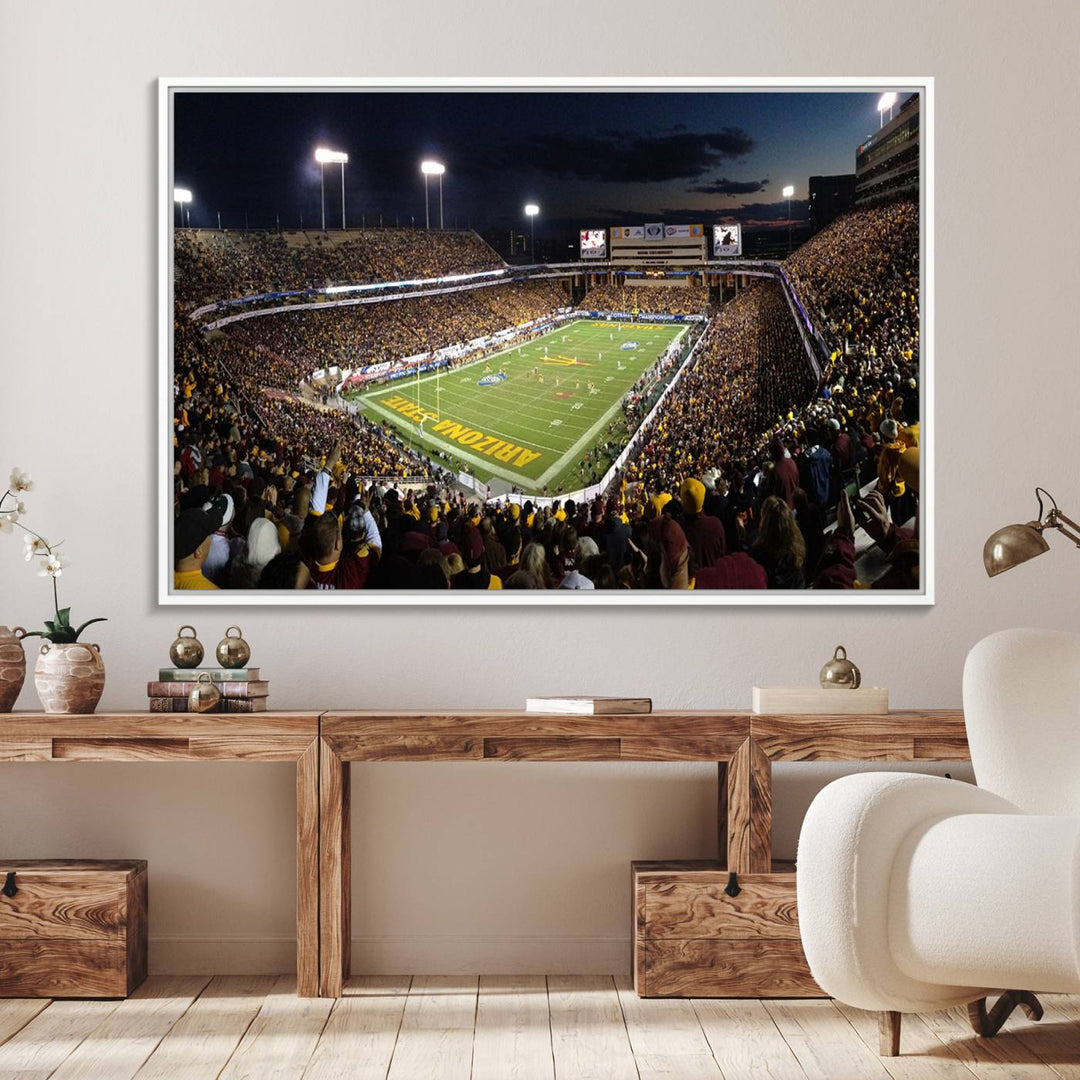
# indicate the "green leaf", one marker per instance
pixel 50 625
pixel 86 624
pixel 63 617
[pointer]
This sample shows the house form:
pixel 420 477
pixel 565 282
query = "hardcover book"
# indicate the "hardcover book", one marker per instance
pixel 225 689
pixel 229 705
pixel 217 674
pixel 588 706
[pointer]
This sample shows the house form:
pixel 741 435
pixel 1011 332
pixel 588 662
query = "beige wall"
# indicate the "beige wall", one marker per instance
pixel 494 867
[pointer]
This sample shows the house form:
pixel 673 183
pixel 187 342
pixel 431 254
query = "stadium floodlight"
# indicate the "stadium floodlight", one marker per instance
pixel 886 101
pixel 332 157
pixel 432 168
pixel 531 209
pixel 787 193
pixel 181 196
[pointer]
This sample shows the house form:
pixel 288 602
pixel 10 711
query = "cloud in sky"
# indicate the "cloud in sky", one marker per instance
pixel 724 186
pixel 619 156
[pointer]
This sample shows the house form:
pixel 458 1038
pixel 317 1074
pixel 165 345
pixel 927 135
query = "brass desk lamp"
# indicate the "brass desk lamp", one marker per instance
pixel 1014 544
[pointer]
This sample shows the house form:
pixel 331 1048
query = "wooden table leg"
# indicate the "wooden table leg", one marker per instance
pixel 749 810
pixel 307 872
pixel 334 872
pixel 722 813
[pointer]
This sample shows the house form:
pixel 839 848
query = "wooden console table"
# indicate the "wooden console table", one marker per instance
pixel 261 737
pixel 742 744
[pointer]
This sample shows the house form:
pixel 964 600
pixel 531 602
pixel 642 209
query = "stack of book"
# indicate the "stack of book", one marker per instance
pixel 241 689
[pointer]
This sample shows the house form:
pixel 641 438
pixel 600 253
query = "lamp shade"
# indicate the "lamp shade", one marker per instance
pixel 1012 545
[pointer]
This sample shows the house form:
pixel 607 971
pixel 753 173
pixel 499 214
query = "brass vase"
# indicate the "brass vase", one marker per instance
pixel 69 678
pixel 12 666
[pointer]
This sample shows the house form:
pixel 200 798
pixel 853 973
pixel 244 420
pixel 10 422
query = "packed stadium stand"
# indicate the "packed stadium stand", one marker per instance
pixel 740 478
pixel 211 266
pixel 654 299
pixel 374 333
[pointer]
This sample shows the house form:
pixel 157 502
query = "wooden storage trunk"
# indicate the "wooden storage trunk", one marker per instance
pixel 691 939
pixel 72 928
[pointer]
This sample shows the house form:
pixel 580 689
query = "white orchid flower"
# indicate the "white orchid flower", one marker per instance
pixel 34 545
pixel 53 566
pixel 20 481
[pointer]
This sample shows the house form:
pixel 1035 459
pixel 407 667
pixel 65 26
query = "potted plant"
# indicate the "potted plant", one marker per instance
pixel 69 674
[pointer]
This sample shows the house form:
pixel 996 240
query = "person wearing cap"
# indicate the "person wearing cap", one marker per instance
pixel 331 566
pixel 474 576
pixel 890 482
pixel 783 478
pixel 216 565
pixel 192 531
pixel 704 533
pixel 841 444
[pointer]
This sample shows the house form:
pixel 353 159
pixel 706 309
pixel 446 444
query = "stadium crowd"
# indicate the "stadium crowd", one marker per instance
pixel 654 299
pixel 214 265
pixel 736 482
pixel 367 334
pixel 326 530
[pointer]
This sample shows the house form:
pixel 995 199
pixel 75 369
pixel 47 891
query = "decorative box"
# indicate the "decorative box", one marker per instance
pixel 72 928
pixel 701 932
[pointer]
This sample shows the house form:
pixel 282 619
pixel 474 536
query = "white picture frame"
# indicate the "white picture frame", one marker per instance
pixel 168 596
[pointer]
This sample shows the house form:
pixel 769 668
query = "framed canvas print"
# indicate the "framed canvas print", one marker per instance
pixel 546 341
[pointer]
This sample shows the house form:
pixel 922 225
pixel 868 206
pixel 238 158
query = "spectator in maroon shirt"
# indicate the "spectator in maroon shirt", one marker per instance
pixel 704 533
pixel 784 477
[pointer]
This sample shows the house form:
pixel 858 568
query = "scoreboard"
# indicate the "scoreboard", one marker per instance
pixel 659 244
pixel 727 240
pixel 593 244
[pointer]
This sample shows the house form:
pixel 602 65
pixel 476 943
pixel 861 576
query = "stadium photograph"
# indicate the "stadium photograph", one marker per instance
pixel 452 343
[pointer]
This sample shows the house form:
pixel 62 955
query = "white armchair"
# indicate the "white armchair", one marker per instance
pixel 918 893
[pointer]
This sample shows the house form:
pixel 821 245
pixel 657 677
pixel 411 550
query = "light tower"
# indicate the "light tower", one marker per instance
pixel 182 197
pixel 336 157
pixel 787 193
pixel 432 168
pixel 531 210
pixel 886 101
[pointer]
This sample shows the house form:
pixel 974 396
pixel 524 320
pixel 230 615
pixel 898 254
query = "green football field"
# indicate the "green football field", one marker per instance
pixel 528 415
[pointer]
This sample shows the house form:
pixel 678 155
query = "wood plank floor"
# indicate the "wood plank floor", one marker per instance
pixel 524 1027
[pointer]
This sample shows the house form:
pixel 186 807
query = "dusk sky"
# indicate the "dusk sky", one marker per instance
pixel 588 159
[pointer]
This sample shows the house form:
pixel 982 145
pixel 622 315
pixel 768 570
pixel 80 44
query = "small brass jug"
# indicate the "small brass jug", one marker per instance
pixel 233 652
pixel 186 652
pixel 840 673
pixel 204 696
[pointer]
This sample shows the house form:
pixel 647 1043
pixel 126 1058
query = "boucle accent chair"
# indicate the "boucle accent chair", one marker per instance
pixel 919 893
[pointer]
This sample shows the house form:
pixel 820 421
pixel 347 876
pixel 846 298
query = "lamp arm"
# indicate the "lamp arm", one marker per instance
pixel 1055 519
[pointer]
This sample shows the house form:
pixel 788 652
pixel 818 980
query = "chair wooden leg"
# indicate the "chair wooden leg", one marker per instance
pixel 889 1033
pixel 988 1024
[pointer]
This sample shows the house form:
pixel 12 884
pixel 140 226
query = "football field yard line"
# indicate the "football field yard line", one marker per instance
pixel 595 429
pixel 517 411
pixel 459 452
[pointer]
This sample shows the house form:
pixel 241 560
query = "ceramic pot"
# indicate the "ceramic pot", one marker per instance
pixel 12 666
pixel 69 678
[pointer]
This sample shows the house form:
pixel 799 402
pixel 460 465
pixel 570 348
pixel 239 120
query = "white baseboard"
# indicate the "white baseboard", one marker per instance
pixel 444 954
pixel 430 954
pixel 221 956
